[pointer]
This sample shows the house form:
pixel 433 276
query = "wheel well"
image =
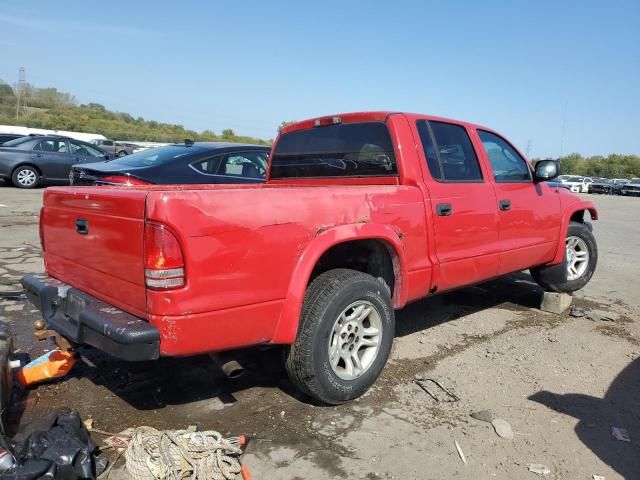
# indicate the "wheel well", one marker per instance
pixel 368 256
pixel 578 216
pixel 26 165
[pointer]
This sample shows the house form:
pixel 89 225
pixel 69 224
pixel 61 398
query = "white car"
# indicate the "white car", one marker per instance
pixel 578 184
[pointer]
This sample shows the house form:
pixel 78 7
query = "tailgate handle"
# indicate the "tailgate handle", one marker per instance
pixel 82 226
pixel 444 209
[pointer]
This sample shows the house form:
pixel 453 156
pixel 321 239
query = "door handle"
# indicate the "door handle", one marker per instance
pixel 444 209
pixel 504 205
pixel 82 226
pixel 39 155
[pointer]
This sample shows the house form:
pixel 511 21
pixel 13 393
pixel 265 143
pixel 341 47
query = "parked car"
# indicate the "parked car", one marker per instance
pixel 618 183
pixel 119 149
pixel 5 137
pixel 355 221
pixel 551 183
pixel 578 184
pixel 202 162
pixel 601 185
pixel 29 162
pixel 632 188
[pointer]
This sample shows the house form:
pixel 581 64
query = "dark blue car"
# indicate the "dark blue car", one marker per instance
pixel 183 163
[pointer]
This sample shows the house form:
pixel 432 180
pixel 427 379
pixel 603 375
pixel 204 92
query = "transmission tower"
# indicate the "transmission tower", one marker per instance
pixel 21 107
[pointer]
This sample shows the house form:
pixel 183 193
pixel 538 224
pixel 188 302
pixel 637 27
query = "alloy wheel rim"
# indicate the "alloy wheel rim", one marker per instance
pixel 26 177
pixel 577 257
pixel 354 341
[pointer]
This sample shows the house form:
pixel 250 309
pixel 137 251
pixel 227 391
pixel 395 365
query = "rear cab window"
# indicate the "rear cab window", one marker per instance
pixel 338 150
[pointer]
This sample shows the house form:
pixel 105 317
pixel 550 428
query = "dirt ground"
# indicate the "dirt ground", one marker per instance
pixel 561 382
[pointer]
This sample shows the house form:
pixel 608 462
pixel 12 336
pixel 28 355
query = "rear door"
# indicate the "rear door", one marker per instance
pixel 529 212
pixel 53 158
pixel 465 213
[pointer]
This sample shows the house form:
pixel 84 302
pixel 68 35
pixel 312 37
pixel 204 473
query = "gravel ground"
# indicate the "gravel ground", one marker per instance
pixel 560 382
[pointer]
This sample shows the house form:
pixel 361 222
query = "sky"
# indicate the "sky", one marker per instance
pixel 553 77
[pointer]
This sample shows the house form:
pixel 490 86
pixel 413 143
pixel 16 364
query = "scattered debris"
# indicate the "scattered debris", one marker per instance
pixel 596 317
pixel 577 312
pixel 539 469
pixel 447 397
pixel 502 428
pixel 120 441
pixel 484 416
pixel 55 446
pixel 597 477
pixel 54 364
pixel 15 296
pixel 460 452
pixel 621 434
pixel 153 454
pixel 88 423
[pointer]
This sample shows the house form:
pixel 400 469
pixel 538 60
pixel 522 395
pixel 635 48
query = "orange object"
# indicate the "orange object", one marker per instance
pixel 244 471
pixel 54 364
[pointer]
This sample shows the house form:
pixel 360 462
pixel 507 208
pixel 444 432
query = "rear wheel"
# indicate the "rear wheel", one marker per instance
pixel 122 153
pixel 25 176
pixel 580 260
pixel 344 338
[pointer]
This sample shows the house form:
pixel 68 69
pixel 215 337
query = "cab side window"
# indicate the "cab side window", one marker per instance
pixel 449 152
pixel 507 165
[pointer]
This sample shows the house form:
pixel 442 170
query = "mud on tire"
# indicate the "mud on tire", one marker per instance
pixel 332 305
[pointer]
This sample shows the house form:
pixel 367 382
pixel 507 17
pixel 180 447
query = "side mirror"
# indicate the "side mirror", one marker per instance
pixel 546 170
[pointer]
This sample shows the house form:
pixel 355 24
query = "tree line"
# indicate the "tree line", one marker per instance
pixel 611 166
pixel 51 109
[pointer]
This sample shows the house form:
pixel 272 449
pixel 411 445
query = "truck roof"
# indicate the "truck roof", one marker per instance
pixel 372 116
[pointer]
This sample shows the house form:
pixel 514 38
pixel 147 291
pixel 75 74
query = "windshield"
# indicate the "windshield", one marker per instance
pixel 635 181
pixel 16 142
pixel 155 156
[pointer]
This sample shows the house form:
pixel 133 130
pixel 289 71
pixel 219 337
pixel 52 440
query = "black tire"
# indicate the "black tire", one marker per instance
pixel 307 360
pixel 548 281
pixel 6 373
pixel 24 172
pixel 122 153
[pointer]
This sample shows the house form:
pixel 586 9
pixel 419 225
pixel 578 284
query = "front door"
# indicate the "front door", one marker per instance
pixel 529 212
pixel 462 203
pixel 53 158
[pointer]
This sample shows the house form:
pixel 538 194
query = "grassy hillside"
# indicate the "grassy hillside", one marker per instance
pixel 56 110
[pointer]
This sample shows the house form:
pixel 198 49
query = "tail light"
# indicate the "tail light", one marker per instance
pixel 163 259
pixel 124 180
pixel 41 228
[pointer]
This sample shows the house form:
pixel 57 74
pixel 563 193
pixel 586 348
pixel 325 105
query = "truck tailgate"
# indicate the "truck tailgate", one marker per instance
pixel 93 240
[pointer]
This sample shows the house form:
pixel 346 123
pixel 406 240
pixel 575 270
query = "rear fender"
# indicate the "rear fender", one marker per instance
pixel 569 211
pixel 288 324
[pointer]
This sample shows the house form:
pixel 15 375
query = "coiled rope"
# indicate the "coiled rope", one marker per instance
pixel 175 455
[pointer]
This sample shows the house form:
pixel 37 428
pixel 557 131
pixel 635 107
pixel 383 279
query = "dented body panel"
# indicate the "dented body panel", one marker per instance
pixel 250 251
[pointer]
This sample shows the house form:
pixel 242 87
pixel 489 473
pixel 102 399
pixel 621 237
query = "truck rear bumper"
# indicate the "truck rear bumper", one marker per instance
pixel 84 319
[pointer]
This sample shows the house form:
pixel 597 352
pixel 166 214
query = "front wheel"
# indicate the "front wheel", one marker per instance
pixel 122 153
pixel 580 260
pixel 344 338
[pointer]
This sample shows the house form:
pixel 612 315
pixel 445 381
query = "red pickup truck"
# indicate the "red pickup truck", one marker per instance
pixel 361 214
